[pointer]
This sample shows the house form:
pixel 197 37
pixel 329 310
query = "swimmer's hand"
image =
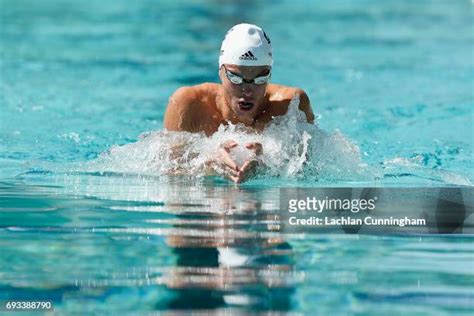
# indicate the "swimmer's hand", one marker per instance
pixel 224 161
pixel 249 167
pixel 255 147
pixel 229 167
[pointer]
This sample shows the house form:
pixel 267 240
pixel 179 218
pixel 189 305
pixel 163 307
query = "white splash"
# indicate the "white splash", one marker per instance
pixel 291 148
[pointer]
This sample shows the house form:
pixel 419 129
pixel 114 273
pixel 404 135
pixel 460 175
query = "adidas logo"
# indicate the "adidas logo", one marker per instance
pixel 248 56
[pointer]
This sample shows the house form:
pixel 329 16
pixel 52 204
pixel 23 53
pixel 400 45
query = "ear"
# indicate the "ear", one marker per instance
pixel 221 72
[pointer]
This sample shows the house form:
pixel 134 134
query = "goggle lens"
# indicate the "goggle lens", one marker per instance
pixel 236 79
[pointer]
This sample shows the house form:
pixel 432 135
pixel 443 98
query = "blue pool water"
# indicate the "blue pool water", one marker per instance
pixel 91 220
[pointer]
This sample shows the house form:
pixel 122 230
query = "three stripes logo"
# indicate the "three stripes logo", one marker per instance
pixel 248 56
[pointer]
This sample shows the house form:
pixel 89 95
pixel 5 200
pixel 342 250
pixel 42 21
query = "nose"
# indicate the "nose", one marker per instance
pixel 246 93
pixel 247 90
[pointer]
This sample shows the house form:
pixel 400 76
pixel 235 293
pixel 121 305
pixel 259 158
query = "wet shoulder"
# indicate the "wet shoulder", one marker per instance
pixel 207 92
pixel 196 97
pixel 192 109
pixel 195 93
pixel 280 96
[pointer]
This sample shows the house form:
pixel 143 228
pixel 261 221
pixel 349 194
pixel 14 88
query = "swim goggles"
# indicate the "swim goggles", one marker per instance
pixel 236 79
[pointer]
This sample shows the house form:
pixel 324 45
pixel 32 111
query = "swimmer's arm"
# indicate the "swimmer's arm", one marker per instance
pixel 305 105
pixel 181 114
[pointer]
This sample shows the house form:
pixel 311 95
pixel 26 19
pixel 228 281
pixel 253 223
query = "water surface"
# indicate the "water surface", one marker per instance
pixel 89 221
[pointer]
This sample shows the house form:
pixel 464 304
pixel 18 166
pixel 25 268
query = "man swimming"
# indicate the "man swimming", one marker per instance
pixel 244 96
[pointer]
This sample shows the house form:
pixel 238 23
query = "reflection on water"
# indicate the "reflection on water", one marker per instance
pixel 204 245
pixel 228 251
pixel 109 243
pixel 240 261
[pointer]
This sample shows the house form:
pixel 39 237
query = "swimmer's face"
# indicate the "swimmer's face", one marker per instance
pixel 245 98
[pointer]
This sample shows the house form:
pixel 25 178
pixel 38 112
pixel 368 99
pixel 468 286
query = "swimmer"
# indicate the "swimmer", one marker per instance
pixel 245 95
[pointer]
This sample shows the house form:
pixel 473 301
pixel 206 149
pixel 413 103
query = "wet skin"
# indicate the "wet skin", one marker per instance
pixel 204 107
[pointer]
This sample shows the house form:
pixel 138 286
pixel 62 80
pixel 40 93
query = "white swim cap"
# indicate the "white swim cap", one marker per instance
pixel 246 45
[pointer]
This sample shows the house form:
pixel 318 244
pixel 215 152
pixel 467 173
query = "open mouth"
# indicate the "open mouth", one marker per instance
pixel 245 105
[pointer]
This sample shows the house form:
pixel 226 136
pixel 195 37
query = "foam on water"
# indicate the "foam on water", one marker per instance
pixel 292 148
